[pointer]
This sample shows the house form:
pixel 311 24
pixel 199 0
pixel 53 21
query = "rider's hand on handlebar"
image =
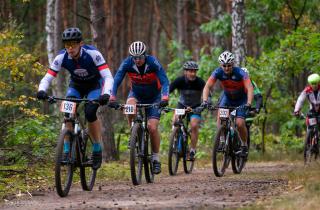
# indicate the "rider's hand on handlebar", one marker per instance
pixel 103 99
pixel 297 113
pixel 114 104
pixel 163 103
pixel 205 104
pixel 42 95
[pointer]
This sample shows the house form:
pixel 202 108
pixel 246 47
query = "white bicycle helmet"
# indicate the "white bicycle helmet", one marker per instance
pixel 137 48
pixel 226 58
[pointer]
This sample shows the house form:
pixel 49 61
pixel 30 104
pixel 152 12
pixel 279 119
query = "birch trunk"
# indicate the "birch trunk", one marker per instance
pixel 238 32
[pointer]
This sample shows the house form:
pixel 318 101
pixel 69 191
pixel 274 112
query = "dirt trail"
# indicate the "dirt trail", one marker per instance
pixel 199 190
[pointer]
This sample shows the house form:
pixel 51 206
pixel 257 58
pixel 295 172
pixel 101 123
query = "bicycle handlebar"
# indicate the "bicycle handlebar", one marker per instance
pixel 53 99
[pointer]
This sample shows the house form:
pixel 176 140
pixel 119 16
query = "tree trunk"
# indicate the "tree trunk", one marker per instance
pixel 98 29
pixel 216 13
pixel 180 25
pixel 238 32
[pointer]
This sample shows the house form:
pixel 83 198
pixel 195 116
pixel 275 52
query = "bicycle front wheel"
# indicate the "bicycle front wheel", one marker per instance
pixel 63 168
pixel 220 156
pixel 148 166
pixel 136 154
pixel 237 161
pixel 87 173
pixel 187 163
pixel 174 154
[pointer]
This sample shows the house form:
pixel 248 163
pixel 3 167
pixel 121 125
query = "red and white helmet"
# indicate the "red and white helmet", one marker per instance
pixel 226 58
pixel 137 48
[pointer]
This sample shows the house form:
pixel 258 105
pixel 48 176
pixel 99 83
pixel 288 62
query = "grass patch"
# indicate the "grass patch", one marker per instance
pixel 303 190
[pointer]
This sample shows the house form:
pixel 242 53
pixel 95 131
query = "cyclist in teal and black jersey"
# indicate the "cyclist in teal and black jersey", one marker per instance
pixel 190 88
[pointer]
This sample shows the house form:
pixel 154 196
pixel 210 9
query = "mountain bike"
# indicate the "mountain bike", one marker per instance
pixel 179 142
pixel 227 142
pixel 80 149
pixel 139 142
pixel 311 144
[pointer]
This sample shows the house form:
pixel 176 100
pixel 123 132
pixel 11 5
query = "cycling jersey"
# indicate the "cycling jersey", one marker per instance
pixel 312 96
pixel 257 102
pixel 233 84
pixel 147 82
pixel 86 72
pixel 190 91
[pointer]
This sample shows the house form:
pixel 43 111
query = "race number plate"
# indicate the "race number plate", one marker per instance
pixel 179 111
pixel 68 107
pixel 312 121
pixel 223 113
pixel 129 109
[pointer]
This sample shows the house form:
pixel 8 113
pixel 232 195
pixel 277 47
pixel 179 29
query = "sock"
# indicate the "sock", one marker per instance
pixel 155 156
pixel 96 147
pixel 66 147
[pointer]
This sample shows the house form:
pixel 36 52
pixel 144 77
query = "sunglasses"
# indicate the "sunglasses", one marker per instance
pixel 314 83
pixel 71 44
pixel 139 57
pixel 225 66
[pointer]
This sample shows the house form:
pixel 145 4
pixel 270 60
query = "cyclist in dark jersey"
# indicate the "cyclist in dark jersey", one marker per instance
pixel 149 84
pixel 90 78
pixel 190 88
pixel 238 91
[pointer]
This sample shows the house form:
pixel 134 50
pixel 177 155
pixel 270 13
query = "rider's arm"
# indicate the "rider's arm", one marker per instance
pixel 259 101
pixel 118 79
pixel 174 85
pixel 107 78
pixel 300 101
pixel 51 73
pixel 103 68
pixel 209 85
pixel 163 80
pixel 249 87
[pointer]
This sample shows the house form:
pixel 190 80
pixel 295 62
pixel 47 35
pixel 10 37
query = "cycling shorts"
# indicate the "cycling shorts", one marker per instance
pixel 151 112
pixel 225 101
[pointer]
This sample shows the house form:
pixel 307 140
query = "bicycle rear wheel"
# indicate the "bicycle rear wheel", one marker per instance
pixel 148 166
pixel 136 154
pixel 174 153
pixel 87 174
pixel 237 162
pixel 64 169
pixel 187 163
pixel 220 156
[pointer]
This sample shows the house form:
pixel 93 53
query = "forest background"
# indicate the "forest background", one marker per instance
pixel 277 40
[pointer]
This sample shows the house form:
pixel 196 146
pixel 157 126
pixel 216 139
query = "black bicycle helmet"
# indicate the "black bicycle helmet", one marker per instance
pixel 72 34
pixel 190 65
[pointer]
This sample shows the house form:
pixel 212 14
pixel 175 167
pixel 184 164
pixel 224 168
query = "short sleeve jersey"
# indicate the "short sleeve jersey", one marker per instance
pixel 233 84
pixel 190 91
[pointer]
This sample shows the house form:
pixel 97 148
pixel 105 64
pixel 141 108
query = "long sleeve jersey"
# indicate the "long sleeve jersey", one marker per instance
pixel 312 96
pixel 147 81
pixel 87 70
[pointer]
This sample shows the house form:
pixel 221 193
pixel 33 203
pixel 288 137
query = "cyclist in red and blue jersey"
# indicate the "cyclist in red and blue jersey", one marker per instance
pixel 90 78
pixel 238 91
pixel 149 84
